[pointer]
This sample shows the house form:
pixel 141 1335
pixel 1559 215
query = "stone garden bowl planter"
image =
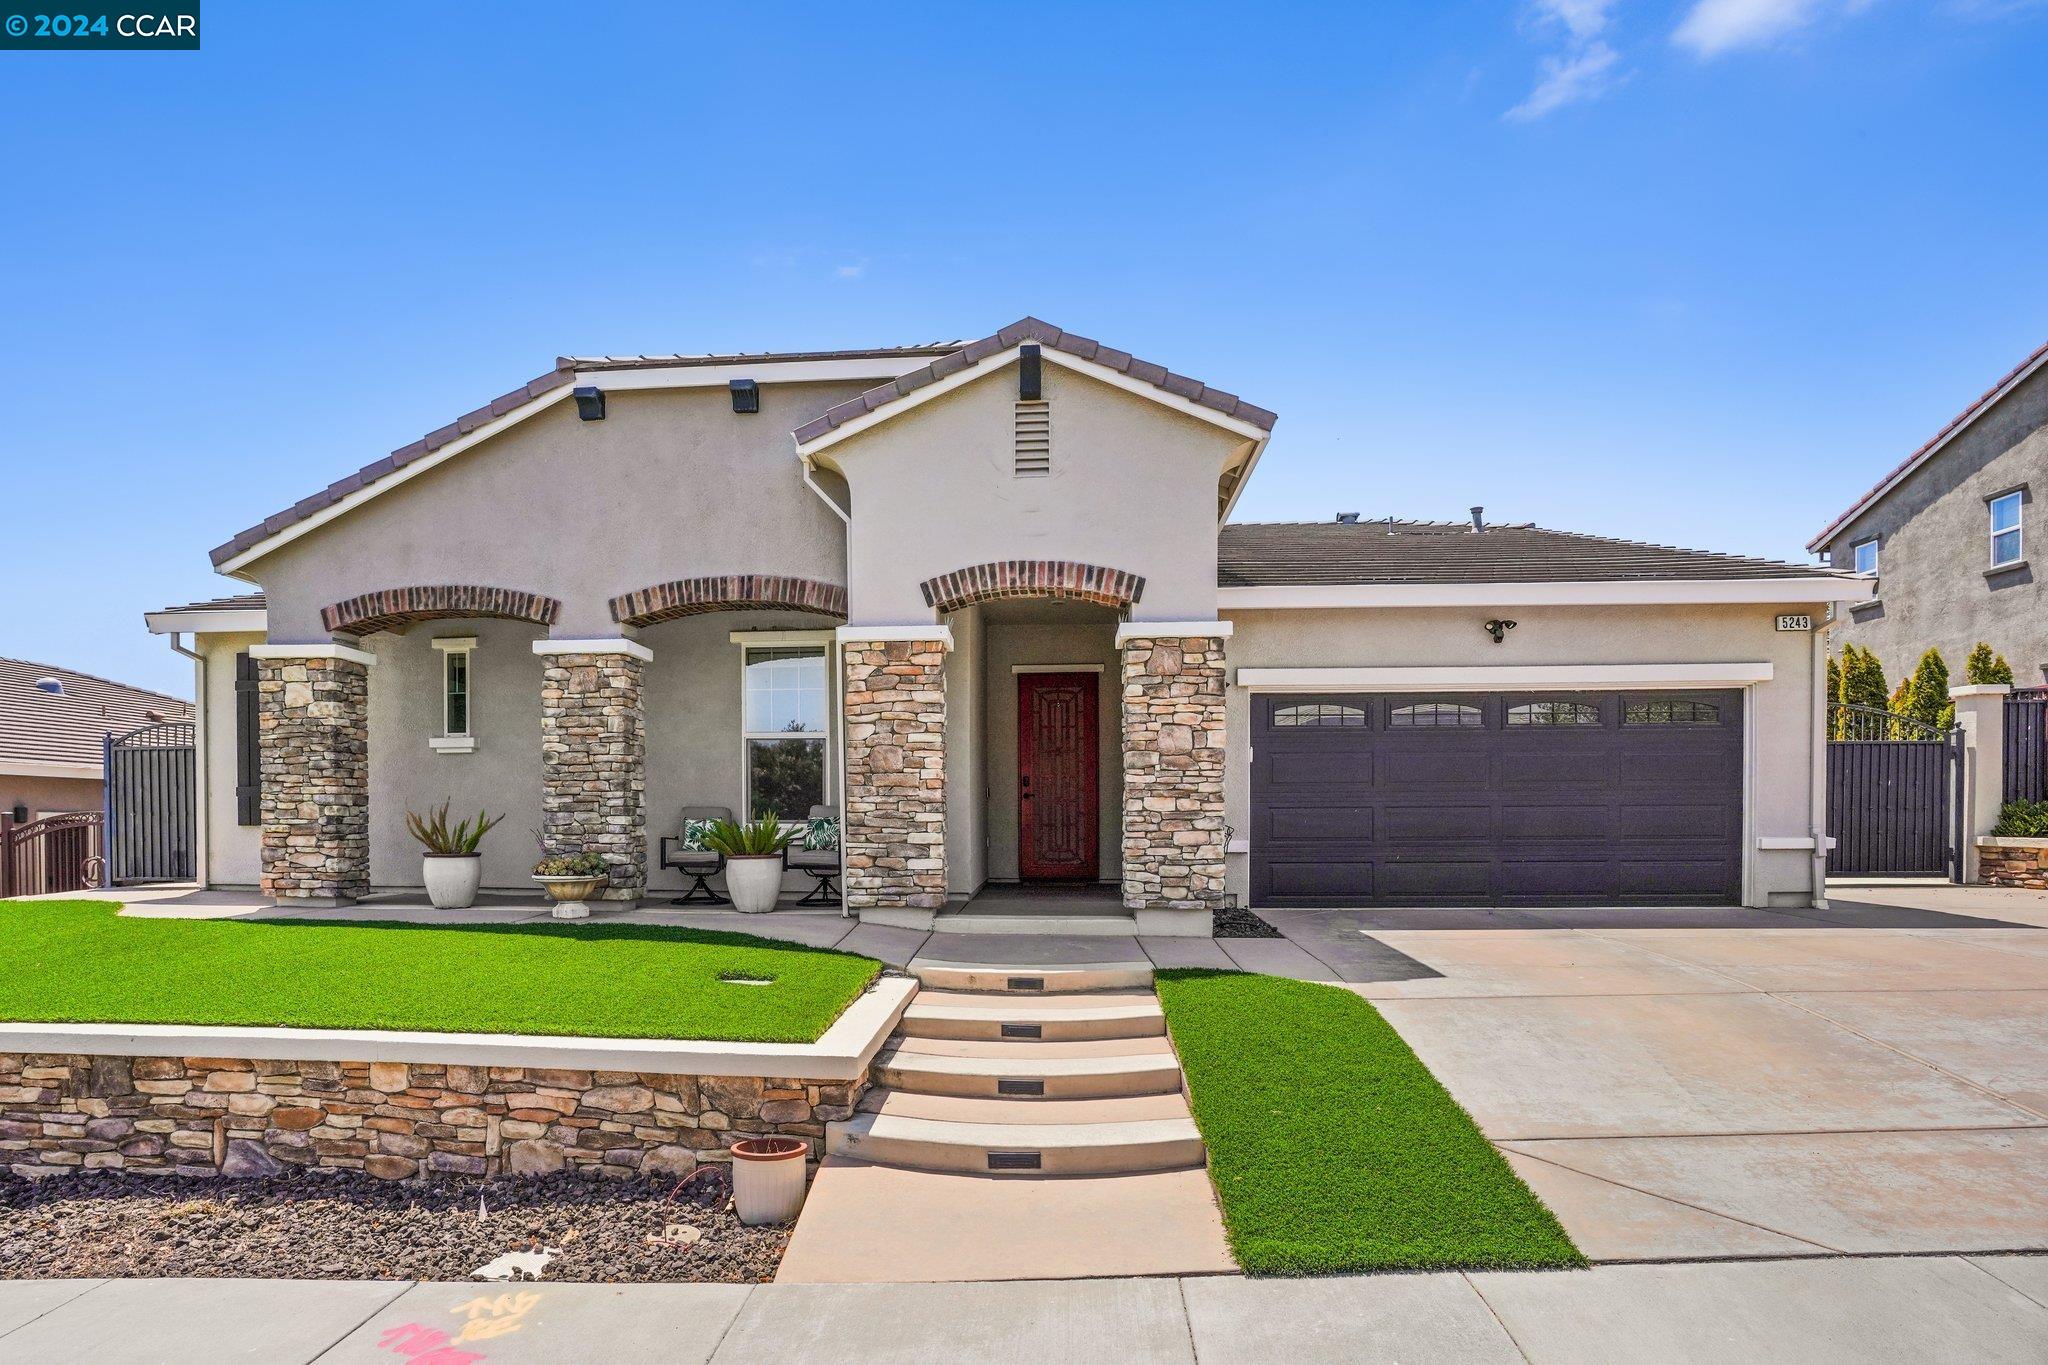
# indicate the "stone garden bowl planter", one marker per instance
pixel 570 893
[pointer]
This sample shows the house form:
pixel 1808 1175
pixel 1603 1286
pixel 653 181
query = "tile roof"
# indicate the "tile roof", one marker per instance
pixel 1044 333
pixel 1978 406
pixel 44 727
pixel 1275 554
pixel 655 362
pixel 248 601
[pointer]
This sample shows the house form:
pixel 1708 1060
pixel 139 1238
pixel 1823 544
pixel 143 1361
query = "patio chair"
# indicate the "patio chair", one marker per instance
pixel 820 864
pixel 698 864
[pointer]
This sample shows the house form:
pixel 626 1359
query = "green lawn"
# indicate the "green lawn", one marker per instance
pixel 1332 1147
pixel 78 962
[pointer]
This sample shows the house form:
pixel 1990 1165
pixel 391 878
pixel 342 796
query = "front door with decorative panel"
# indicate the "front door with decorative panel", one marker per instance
pixel 1057 793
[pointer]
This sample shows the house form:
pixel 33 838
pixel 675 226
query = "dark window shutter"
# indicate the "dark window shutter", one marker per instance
pixel 248 774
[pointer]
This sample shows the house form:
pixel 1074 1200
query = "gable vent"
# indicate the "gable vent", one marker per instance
pixel 1034 439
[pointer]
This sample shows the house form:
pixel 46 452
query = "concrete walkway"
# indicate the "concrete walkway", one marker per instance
pixel 1981 1309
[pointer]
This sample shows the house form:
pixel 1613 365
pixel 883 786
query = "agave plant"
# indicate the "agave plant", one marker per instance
pixel 445 840
pixel 760 838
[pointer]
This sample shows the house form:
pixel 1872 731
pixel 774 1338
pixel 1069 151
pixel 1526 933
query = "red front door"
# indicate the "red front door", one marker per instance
pixel 1056 776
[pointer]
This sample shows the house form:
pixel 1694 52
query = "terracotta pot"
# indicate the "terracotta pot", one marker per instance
pixel 452 879
pixel 768 1179
pixel 754 882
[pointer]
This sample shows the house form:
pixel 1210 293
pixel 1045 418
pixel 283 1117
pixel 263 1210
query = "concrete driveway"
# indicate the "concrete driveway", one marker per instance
pixel 1692 1084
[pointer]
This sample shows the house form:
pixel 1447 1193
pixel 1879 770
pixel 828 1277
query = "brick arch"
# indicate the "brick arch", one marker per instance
pixel 727 592
pixel 397 609
pixel 1062 579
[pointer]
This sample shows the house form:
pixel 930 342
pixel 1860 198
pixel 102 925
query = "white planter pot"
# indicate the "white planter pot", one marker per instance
pixel 768 1179
pixel 755 883
pixel 452 879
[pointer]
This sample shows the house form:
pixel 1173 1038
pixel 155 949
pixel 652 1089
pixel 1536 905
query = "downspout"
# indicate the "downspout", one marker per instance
pixel 837 689
pixel 1817 794
pixel 202 811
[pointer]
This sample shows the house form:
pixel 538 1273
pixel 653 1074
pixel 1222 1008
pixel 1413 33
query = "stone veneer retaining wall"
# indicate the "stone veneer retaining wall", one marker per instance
pixel 593 754
pixel 1173 772
pixel 213 1115
pixel 895 827
pixel 313 752
pixel 2013 864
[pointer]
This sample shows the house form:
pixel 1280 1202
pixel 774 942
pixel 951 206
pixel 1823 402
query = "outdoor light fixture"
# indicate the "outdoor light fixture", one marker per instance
pixel 1029 374
pixel 589 403
pixel 1498 629
pixel 746 395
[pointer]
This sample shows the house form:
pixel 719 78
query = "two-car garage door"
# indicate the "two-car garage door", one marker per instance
pixel 1496 799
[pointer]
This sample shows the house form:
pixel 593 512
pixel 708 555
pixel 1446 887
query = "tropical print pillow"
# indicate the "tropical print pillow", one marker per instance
pixel 821 834
pixel 693 834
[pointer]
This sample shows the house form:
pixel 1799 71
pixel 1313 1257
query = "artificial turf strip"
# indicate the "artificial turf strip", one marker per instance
pixel 80 962
pixel 1332 1148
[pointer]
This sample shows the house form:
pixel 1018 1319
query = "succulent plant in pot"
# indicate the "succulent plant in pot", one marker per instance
pixel 571 878
pixel 451 867
pixel 753 860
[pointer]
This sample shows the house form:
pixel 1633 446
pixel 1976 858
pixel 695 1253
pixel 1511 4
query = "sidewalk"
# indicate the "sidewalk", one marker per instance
pixel 1982 1309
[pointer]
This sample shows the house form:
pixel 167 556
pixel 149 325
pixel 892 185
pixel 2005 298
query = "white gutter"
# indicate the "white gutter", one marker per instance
pixel 1817 795
pixel 1499 677
pixel 1633 592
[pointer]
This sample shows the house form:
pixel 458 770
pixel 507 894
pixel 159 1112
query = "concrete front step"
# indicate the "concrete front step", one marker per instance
pixel 1099 1148
pixel 941 974
pixel 1048 1018
pixel 1073 926
pixel 1025 1070
pixel 964 1109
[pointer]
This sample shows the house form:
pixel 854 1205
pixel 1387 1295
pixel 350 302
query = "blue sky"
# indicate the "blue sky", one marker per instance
pixel 1692 272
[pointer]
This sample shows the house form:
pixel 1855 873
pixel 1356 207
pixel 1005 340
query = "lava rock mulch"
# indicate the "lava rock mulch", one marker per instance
pixel 1238 922
pixel 341 1225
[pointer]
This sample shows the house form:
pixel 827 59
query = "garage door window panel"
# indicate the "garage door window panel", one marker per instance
pixel 1670 712
pixel 1424 713
pixel 1569 715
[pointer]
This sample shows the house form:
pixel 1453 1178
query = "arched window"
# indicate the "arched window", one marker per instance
pixel 1319 715
pixel 1554 713
pixel 1436 715
pixel 1671 713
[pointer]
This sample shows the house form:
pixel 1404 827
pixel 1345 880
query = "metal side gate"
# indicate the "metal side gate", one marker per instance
pixel 1892 784
pixel 151 790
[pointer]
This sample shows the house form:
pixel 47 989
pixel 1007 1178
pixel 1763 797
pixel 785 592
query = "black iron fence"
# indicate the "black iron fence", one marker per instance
pixel 1892 787
pixel 55 853
pixel 151 788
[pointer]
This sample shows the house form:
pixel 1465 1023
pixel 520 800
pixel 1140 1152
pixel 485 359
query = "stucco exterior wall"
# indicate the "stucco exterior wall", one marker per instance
pixel 967 786
pixel 234 853
pixel 502 775
pixel 50 795
pixel 1010 644
pixel 671 484
pixel 1781 733
pixel 1133 487
pixel 1934 547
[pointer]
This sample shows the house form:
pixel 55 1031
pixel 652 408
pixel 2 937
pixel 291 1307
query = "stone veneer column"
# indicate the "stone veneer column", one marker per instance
pixel 1173 736
pixel 894 835
pixel 313 759
pixel 593 756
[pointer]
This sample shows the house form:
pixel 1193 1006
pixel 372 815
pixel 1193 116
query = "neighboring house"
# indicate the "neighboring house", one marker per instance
pixel 981 597
pixel 53 727
pixel 1946 537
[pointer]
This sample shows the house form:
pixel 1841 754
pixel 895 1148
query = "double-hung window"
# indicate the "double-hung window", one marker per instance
pixel 1866 555
pixel 2005 529
pixel 783 722
pixel 456 736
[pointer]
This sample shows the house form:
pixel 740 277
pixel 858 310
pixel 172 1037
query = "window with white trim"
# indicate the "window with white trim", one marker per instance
pixel 457 695
pixel 2005 528
pixel 1865 552
pixel 784 707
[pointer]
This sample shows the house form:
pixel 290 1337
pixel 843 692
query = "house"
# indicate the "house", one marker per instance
pixel 53 727
pixel 983 598
pixel 1943 537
